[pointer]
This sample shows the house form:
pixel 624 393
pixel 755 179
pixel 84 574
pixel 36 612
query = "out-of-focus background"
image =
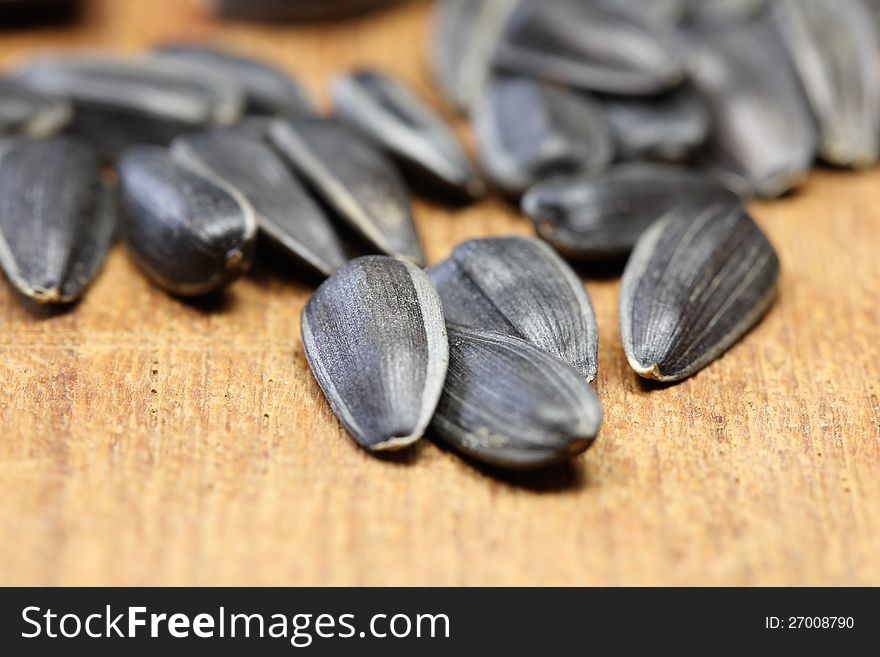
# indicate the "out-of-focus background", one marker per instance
pixel 148 441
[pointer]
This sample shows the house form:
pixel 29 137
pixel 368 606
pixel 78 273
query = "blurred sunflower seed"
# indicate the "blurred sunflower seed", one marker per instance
pixel 385 110
pixel 267 90
pixel 836 49
pixel 599 216
pixel 56 217
pixel 696 282
pixel 510 404
pixel 354 179
pixel 461 48
pixel 520 287
pixel 528 130
pixel 119 103
pixel 762 127
pixel 376 341
pixel 592 46
pixel 667 128
pixel 26 112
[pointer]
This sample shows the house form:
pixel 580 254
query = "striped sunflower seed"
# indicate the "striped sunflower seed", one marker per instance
pixel 836 49
pixel 375 339
pixel 510 404
pixel 600 216
pixel 518 286
pixel 56 217
pixel 385 110
pixel 697 281
pixel 119 103
pixel 667 128
pixel 589 45
pixel 763 130
pixel 528 130
pixel 189 231
pixel 267 90
pixel 28 113
pixel 354 179
pixel 465 35
pixel 285 211
pixel 722 13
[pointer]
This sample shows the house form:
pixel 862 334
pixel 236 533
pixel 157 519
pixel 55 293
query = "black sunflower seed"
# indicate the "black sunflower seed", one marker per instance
pixel 375 339
pixel 354 179
pixel 520 287
pixel 465 35
pixel 56 217
pixel 590 45
pixel 666 128
pixel 600 216
pixel 762 127
pixel 696 282
pixel 385 110
pixel 267 90
pixel 191 232
pixel 120 103
pixel 26 112
pixel 509 404
pixel 528 130
pixel 834 45
pixel 284 210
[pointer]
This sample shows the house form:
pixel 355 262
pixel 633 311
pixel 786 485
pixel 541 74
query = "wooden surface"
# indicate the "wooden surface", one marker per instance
pixel 147 441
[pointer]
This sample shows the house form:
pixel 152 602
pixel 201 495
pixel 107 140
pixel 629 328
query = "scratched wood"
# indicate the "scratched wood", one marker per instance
pixel 147 441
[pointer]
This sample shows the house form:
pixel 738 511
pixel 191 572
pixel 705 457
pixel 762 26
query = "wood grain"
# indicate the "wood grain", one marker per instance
pixel 147 441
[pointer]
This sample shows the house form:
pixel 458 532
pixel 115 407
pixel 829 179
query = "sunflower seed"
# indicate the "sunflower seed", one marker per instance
pixel 267 90
pixel 667 11
pixel 29 113
pixel 509 404
pixel 520 287
pixel 763 130
pixel 385 110
pixel 722 13
pixel 465 35
pixel 284 210
pixel 56 217
pixel 601 216
pixel 834 45
pixel 375 339
pixel 527 130
pixel 666 128
pixel 696 282
pixel 352 177
pixel 120 103
pixel 593 46
pixel 270 11
pixel 190 232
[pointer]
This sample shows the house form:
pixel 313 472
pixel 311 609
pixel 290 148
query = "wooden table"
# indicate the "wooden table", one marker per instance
pixel 147 441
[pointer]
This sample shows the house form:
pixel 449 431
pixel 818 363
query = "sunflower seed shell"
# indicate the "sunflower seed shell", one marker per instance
pixel 25 112
pixel 836 49
pixel 267 90
pixel 56 217
pixel 354 179
pixel 592 46
pixel 601 216
pixel 511 405
pixel 763 130
pixel 527 131
pixel 385 110
pixel 376 341
pixel 191 232
pixel 284 210
pixel 518 286
pixel 697 281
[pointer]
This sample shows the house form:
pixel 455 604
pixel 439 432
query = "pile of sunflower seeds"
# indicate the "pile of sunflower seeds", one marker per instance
pixel 624 129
